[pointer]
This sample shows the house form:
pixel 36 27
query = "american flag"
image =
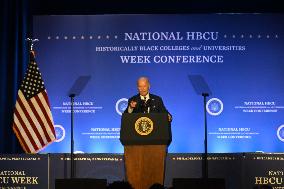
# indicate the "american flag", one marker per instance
pixel 33 122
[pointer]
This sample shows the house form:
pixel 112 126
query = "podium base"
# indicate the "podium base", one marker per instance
pixel 145 165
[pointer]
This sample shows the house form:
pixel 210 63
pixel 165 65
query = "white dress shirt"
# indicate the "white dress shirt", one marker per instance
pixel 130 110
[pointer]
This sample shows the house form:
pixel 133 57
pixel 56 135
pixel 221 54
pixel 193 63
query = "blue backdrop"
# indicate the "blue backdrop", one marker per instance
pixel 240 56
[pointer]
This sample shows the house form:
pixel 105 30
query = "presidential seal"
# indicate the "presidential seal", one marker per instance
pixel 144 126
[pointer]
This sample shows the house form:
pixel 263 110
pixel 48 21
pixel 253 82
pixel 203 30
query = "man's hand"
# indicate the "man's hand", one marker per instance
pixel 170 118
pixel 133 104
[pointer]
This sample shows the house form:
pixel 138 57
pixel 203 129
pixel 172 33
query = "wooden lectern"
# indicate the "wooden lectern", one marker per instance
pixel 145 138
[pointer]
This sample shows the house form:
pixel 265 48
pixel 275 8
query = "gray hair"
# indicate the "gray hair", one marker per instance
pixel 143 78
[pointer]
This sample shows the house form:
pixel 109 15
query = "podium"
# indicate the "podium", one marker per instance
pixel 145 138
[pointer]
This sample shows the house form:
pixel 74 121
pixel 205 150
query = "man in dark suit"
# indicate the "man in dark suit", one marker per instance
pixel 144 102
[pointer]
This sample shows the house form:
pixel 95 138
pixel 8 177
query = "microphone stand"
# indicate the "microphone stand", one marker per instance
pixel 75 90
pixel 72 136
pixel 205 161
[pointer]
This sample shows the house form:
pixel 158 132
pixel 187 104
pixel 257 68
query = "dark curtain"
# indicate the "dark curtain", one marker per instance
pixel 15 25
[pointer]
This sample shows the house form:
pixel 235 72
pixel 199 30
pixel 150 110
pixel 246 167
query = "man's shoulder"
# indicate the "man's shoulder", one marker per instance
pixel 152 96
pixel 137 96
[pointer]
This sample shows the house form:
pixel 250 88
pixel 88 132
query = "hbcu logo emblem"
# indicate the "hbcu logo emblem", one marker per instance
pixel 121 105
pixel 280 133
pixel 214 106
pixel 59 133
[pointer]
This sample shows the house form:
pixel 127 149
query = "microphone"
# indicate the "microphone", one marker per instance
pixel 152 102
pixel 144 105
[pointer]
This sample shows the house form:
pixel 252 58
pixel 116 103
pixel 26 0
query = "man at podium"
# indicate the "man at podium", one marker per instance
pixel 145 133
pixel 144 102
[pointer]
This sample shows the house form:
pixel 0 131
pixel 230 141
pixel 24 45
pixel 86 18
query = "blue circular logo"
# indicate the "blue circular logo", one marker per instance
pixel 121 105
pixel 59 132
pixel 214 106
pixel 280 133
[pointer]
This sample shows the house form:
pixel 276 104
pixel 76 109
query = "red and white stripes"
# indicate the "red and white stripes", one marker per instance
pixel 33 122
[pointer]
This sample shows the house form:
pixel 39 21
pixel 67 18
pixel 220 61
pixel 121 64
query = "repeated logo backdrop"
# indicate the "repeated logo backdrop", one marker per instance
pixel 240 56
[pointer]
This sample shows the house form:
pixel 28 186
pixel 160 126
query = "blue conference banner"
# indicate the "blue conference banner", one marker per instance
pixel 239 56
